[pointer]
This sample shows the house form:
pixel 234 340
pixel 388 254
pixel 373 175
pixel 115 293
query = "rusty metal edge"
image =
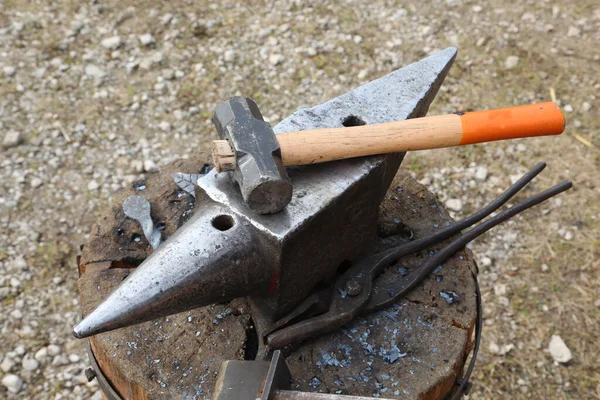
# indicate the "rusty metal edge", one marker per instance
pixel 103 382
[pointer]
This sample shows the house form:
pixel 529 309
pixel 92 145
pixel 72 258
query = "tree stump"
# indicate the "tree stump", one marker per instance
pixel 415 349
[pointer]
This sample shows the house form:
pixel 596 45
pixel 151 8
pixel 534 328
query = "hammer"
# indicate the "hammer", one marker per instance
pixel 256 156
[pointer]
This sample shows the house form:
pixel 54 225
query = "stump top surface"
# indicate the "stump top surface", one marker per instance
pixel 414 349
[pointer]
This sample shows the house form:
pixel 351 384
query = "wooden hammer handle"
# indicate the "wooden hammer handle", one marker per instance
pixel 321 145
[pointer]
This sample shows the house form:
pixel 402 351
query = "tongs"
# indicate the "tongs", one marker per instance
pixel 356 291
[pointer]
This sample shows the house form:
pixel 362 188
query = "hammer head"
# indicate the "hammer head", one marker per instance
pixel 259 171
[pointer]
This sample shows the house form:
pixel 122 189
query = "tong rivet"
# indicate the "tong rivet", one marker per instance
pixel 353 287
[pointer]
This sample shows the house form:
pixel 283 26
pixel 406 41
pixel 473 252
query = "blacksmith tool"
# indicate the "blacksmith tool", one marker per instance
pixel 356 291
pixel 226 250
pixel 138 209
pixel 256 157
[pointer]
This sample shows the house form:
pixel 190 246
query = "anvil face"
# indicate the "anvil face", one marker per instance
pixel 226 250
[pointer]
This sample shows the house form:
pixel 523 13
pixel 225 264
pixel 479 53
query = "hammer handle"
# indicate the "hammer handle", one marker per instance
pixel 321 145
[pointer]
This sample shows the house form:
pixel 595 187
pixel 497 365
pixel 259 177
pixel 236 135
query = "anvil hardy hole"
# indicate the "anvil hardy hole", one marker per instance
pixel 223 222
pixel 353 120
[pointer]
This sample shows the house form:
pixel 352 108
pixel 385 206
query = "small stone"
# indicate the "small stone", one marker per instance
pixel 13 383
pixel 511 62
pixel 14 282
pixel 7 364
pixel 111 43
pixel 586 106
pixel 53 350
pixel 36 182
pixel 559 350
pixel 276 59
pixel 146 39
pixel 41 354
pixel 165 19
pixel 486 261
pixel 150 166
pixel 568 108
pixel 60 360
pixel 94 71
pixel 573 31
pixel 500 350
pixel 229 56
pixel 357 39
pixel 545 268
pixel 528 17
pixel 454 204
pixel 477 9
pixel 93 185
pixel 30 364
pixel 499 289
pixel 362 74
pixel 168 74
pixel 481 173
pixel 165 126
pixel 12 139
pixel 9 71
pixel 74 358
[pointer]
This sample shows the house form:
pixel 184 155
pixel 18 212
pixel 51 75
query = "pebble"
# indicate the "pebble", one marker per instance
pixel 41 354
pixel 9 70
pixel 74 358
pixel 511 62
pixel 568 108
pixel 165 126
pixel 559 350
pixel 229 56
pixel 36 182
pixel 150 166
pixel 30 364
pixel 573 31
pixel 7 364
pixel 12 139
pixel 454 204
pixel 500 350
pixel 276 59
pixel 586 106
pixel 168 74
pixel 486 261
pixel 94 71
pixel 111 43
pixel 481 173
pixel 93 185
pixel 53 350
pixel 60 360
pixel 146 39
pixel 13 383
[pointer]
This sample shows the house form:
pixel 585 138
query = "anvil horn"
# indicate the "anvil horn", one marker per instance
pixel 226 251
pixel 210 259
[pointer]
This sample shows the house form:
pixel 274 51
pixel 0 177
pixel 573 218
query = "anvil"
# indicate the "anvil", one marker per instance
pixel 226 250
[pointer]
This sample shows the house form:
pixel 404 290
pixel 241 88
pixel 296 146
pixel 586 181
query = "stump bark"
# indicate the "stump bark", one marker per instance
pixel 415 349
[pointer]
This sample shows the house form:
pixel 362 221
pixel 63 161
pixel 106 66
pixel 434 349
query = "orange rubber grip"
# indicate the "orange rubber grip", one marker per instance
pixel 540 119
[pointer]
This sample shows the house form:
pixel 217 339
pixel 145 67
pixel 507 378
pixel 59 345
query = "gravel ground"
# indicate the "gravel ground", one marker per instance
pixel 95 95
